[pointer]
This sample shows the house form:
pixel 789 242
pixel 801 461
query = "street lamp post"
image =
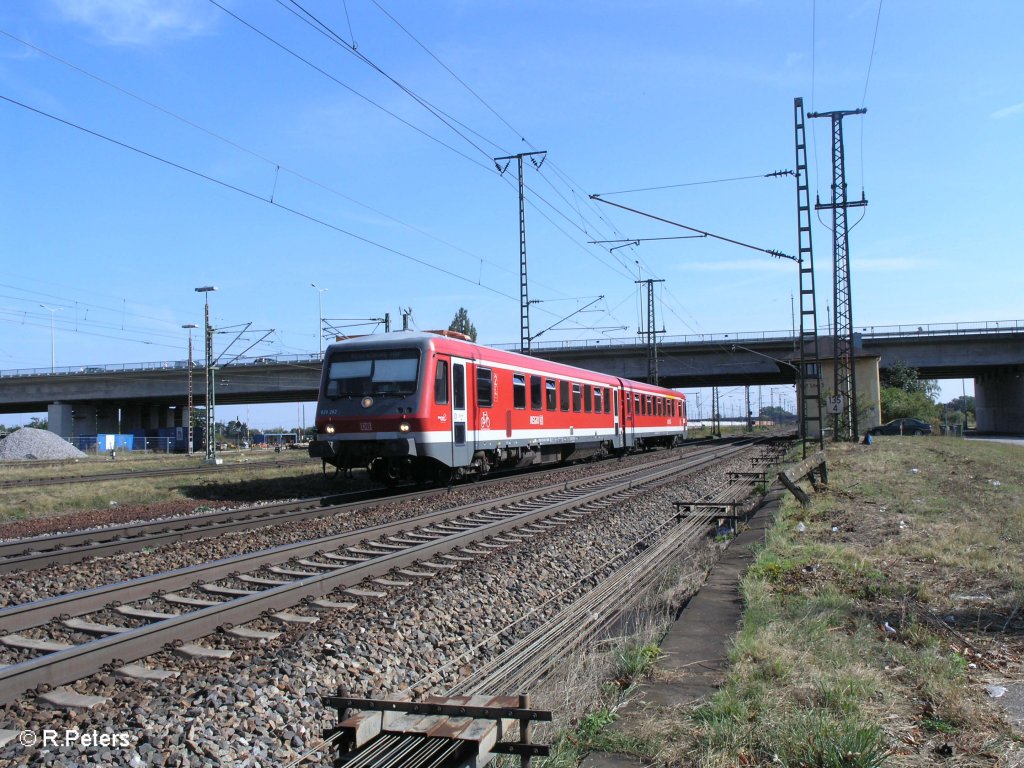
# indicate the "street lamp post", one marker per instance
pixel 211 445
pixel 53 352
pixel 190 326
pixel 320 315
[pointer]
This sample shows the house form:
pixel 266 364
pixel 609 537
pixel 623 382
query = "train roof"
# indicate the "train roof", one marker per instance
pixel 438 342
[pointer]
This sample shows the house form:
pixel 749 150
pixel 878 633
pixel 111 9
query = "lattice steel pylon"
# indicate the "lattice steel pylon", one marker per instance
pixel 651 334
pixel 844 424
pixel 716 414
pixel 809 382
pixel 524 293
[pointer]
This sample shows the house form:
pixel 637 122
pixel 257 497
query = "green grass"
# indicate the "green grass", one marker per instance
pixel 813 678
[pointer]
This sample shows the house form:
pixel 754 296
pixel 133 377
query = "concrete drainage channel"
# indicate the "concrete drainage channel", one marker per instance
pixel 401 622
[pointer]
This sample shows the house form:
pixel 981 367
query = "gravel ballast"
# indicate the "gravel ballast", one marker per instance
pixel 263 707
pixel 27 444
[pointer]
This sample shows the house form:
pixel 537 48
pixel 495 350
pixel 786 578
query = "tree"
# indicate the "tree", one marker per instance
pixel 905 395
pixel 902 376
pixel 462 324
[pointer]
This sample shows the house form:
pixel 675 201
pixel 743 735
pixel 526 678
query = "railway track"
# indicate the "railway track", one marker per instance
pixel 65 638
pixel 104 477
pixel 38 552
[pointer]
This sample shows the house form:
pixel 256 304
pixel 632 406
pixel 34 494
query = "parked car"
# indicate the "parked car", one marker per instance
pixel 903 427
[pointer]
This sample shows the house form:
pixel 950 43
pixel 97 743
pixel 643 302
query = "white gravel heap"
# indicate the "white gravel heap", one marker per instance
pixel 28 443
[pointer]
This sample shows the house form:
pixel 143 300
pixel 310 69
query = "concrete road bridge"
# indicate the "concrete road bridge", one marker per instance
pixel 88 399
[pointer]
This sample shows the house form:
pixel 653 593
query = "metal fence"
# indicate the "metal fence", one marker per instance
pixel 867 332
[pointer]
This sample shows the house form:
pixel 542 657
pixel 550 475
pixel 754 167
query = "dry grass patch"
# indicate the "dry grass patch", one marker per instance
pixel 869 637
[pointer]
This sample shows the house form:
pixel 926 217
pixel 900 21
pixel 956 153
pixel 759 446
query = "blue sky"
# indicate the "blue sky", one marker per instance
pixel 320 168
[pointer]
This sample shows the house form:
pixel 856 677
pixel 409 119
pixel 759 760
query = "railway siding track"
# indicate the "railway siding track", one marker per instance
pixel 299 573
pixel 192 470
pixel 35 553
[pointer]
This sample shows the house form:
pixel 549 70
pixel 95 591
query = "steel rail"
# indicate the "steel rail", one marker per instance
pixel 35 613
pixel 62 666
pixel 73 546
pixel 143 473
pixel 18 617
pixel 37 552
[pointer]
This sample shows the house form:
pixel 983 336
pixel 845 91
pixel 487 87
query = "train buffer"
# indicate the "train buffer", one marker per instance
pixel 440 732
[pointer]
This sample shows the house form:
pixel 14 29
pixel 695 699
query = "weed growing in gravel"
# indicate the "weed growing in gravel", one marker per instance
pixel 634 662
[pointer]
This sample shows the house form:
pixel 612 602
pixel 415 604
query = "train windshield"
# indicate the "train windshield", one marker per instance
pixel 373 372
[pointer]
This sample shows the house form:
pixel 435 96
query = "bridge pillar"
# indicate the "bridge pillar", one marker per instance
pixel 999 402
pixel 59 419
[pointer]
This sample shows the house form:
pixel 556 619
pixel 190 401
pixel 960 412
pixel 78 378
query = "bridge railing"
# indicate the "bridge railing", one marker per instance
pixel 160 365
pixel 943 329
pixel 784 336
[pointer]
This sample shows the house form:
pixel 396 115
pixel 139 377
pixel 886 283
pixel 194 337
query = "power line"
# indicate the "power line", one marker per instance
pixel 253 195
pixel 871 59
pixel 773 174
pixel 276 164
pixel 437 112
pixel 450 71
pixel 347 87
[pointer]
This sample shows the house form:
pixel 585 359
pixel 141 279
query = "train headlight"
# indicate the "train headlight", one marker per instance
pixel 367 402
pixel 403 427
pixel 329 429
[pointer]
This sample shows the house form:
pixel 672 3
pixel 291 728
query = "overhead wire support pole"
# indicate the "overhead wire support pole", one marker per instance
pixel 809 373
pixel 844 408
pixel 651 335
pixel 524 293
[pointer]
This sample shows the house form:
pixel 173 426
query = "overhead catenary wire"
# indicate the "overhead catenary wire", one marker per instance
pixel 324 29
pixel 773 174
pixel 277 165
pixel 252 195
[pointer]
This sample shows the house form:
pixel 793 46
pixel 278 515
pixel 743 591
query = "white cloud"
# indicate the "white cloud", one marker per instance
pixel 138 22
pixel 1015 109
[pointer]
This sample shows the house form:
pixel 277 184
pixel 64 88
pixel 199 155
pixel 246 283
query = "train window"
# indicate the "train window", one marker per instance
pixel 459 386
pixel 576 398
pixel 649 405
pixel 551 391
pixel 616 400
pixel 519 390
pixel 597 400
pixel 608 400
pixel 661 407
pixel 441 383
pixel 587 397
pixel 377 372
pixel 563 395
pixel 484 388
pixel 536 393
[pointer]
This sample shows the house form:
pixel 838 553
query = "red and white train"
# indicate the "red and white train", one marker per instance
pixel 429 406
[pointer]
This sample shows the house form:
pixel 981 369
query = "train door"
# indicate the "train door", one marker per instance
pixel 626 415
pixel 616 442
pixel 462 451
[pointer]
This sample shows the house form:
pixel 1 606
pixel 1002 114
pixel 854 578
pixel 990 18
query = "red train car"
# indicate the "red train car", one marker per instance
pixel 426 406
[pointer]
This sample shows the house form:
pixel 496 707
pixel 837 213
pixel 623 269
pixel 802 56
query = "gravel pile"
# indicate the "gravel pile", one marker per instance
pixel 27 443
